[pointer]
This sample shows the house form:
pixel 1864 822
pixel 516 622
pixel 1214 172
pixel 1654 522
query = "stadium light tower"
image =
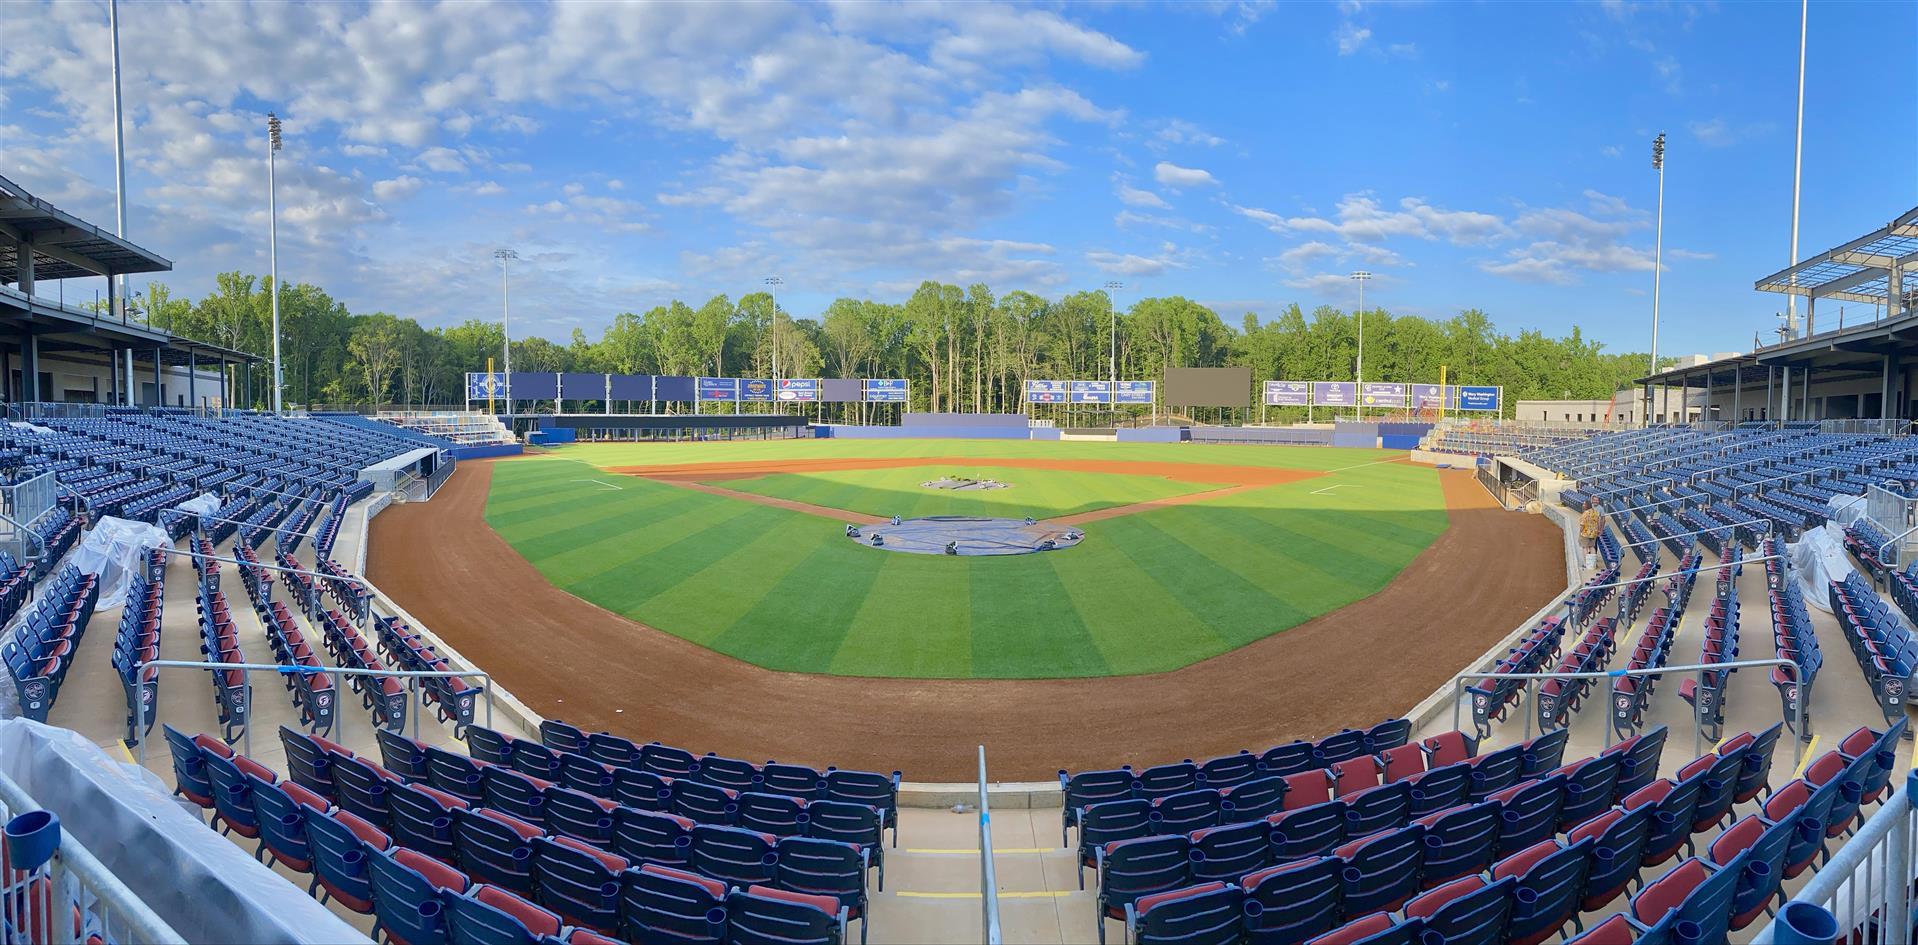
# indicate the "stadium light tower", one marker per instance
pixel 1360 276
pixel 1112 296
pixel 505 323
pixel 273 252
pixel 119 162
pixel 772 333
pixel 1658 252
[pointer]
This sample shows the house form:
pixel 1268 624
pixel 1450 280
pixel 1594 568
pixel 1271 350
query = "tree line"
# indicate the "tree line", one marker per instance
pixel 963 349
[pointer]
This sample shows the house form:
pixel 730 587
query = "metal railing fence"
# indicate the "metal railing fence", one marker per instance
pixel 54 890
pixel 988 876
pixel 1864 894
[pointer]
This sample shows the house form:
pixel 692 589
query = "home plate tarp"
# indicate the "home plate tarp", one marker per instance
pixel 965 535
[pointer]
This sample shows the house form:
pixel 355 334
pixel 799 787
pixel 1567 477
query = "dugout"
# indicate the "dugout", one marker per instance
pixel 615 428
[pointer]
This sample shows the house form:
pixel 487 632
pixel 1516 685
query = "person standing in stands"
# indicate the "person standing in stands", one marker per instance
pixel 1588 527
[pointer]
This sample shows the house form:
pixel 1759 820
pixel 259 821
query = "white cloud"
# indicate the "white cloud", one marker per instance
pixel 1351 38
pixel 1179 132
pixel 1361 218
pixel 1720 133
pixel 1134 197
pixel 1611 150
pixel 1172 175
pixel 398 188
pixel 443 160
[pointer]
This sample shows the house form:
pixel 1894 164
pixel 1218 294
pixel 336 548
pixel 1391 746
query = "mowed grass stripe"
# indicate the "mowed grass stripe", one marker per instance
pixel 551 523
pixel 915 622
pixel 653 568
pixel 1237 609
pixel 1023 622
pixel 1137 625
pixel 711 599
pixel 643 522
pixel 799 623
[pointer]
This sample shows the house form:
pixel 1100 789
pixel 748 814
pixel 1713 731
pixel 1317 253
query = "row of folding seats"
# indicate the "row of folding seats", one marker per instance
pixel 1633 600
pixel 137 643
pixel 299 584
pixel 1904 589
pixel 349 594
pixel 1705 692
pixel 1492 698
pixel 1609 548
pixel 1573 838
pixel 1267 820
pixel 311 688
pixel 257 579
pixel 1793 636
pixel 1557 698
pixel 384 696
pixel 294 530
pixel 42 646
pixel 16 584
pixel 1593 595
pixel 1631 694
pixel 381 846
pixel 330 527
pixel 1882 644
pixel 453 698
pixel 655 776
pixel 59 530
pixel 1086 788
pixel 219 643
pixel 1865 540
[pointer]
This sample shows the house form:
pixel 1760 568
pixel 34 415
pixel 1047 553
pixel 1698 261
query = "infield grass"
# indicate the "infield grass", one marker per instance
pixel 1146 592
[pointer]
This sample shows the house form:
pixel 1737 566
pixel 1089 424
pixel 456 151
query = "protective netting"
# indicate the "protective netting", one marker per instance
pixel 966 535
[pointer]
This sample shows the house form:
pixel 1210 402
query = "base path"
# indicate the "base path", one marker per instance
pixel 567 659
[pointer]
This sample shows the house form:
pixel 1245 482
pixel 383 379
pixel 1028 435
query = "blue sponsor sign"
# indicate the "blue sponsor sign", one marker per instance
pixel 1375 394
pixel 885 390
pixel 799 389
pixel 1136 392
pixel 1046 392
pixel 1091 392
pixel 718 388
pixel 1478 398
pixel 1287 393
pixel 481 385
pixel 1429 395
pixel 755 388
pixel 1335 393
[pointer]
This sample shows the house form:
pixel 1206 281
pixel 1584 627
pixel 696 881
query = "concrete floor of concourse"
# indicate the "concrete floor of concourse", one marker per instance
pixel 933 877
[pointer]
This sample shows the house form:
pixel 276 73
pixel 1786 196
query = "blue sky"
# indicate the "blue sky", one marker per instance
pixel 1247 155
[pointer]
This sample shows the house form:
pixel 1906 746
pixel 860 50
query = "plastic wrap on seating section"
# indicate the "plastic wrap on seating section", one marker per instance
pixel 967 535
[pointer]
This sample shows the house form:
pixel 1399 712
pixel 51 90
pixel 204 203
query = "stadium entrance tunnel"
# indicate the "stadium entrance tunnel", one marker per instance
pixel 965 535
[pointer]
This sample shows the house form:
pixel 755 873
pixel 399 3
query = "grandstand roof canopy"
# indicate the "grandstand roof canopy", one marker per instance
pixel 1857 271
pixel 63 245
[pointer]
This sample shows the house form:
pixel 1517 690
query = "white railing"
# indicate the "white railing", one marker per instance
pixel 1864 894
pixel 988 877
pixel 52 882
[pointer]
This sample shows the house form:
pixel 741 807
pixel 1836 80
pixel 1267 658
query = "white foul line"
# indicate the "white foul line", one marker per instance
pixel 599 483
pixel 1342 485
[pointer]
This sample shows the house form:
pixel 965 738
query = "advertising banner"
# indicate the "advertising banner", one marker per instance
pixel 755 388
pixel 481 385
pixel 1091 392
pixel 1374 394
pixel 1478 398
pixel 1046 392
pixel 804 389
pixel 1136 392
pixel 1426 396
pixel 1335 393
pixel 719 388
pixel 886 390
pixel 1287 393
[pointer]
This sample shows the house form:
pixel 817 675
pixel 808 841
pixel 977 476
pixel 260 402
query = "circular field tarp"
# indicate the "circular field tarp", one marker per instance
pixel 966 535
pixel 961 483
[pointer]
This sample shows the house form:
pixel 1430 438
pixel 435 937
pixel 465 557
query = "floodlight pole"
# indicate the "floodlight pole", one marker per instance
pixel 1358 373
pixel 273 251
pixel 506 325
pixel 1797 168
pixel 1658 252
pixel 119 162
pixel 1112 302
pixel 772 335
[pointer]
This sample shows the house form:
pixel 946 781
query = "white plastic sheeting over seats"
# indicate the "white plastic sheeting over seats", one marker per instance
pixel 1818 558
pixel 116 549
pixel 202 884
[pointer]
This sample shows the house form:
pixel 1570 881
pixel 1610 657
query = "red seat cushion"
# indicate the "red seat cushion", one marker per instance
pixel 1430 901
pixel 717 888
pixel 612 863
pixel 1355 930
pixel 826 904
pixel 1663 894
pixel 1144 904
pixel 437 873
pixel 1518 863
pixel 538 921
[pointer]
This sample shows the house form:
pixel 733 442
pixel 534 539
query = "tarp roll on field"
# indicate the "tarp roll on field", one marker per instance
pixel 1208 387
pixel 839 390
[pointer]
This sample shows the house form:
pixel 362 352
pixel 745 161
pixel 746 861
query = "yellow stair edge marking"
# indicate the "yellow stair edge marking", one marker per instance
pixel 1811 751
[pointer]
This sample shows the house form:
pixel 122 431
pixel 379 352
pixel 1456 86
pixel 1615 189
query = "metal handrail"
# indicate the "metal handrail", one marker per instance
pixel 142 923
pixel 988 877
pixel 1701 531
pixel 1887 833
pixel 37 539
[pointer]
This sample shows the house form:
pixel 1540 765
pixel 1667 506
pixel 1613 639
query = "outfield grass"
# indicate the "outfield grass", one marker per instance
pixel 1040 493
pixel 1145 592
